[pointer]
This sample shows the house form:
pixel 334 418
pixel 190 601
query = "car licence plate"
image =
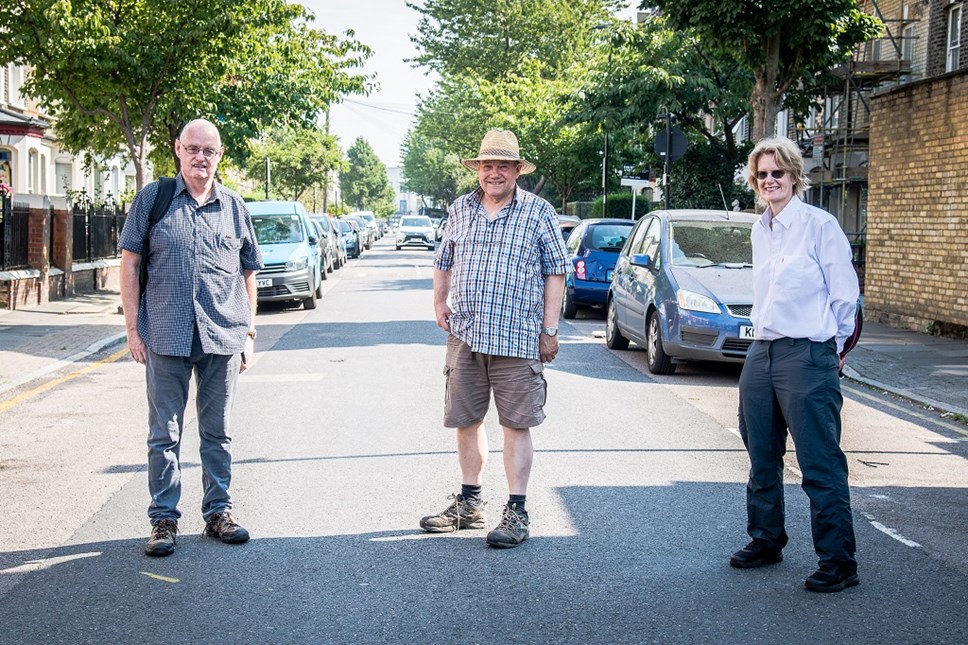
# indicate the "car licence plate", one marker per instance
pixel 263 282
pixel 746 332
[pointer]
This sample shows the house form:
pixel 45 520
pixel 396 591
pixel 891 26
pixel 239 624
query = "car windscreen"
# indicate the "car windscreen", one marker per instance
pixel 607 237
pixel 344 226
pixel 415 221
pixel 277 229
pixel 698 244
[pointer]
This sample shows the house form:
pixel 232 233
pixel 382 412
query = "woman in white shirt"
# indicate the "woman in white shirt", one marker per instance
pixel 804 299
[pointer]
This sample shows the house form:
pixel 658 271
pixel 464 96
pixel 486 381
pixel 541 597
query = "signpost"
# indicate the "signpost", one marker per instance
pixel 636 181
pixel 674 141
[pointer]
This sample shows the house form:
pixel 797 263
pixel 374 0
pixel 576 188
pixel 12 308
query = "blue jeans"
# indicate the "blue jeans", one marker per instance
pixel 167 384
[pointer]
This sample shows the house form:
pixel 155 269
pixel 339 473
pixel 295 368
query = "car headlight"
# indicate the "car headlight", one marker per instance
pixel 696 302
pixel 297 265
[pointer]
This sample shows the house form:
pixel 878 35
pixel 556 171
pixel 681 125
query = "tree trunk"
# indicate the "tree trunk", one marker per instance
pixel 765 98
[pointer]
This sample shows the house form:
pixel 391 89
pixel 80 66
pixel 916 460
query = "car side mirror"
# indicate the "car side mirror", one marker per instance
pixel 313 240
pixel 641 260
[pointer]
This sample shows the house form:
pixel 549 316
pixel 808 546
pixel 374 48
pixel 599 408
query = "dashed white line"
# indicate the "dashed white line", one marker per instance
pixel 888 531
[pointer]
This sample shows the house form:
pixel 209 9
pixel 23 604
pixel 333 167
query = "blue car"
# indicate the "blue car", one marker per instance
pixel 593 248
pixel 683 288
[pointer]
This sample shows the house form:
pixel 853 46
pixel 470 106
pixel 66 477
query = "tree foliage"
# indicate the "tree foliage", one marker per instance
pixel 785 43
pixel 518 69
pixel 298 159
pixel 364 182
pixel 431 169
pixel 126 75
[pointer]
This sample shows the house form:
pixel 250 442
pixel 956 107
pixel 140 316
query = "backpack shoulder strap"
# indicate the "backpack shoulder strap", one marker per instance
pixel 166 192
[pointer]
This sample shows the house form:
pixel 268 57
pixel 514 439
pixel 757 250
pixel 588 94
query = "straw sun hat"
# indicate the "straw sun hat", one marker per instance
pixel 499 145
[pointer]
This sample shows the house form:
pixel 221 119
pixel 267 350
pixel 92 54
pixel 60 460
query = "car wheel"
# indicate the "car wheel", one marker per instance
pixel 322 276
pixel 399 247
pixel 568 307
pixel 613 337
pixel 310 302
pixel 656 358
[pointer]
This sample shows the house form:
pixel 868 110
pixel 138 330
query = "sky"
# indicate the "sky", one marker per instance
pixel 383 117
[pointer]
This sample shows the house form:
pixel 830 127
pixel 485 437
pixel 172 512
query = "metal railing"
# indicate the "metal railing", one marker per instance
pixel 14 231
pixel 96 228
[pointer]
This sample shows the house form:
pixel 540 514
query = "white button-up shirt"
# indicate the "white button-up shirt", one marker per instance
pixel 804 285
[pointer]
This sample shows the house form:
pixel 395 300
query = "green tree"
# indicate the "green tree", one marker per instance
pixel 430 169
pixel 519 69
pixel 298 159
pixel 125 75
pixel 364 182
pixel 785 43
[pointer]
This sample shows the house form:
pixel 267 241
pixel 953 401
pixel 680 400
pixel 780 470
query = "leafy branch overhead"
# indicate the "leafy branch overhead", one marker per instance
pixel 125 75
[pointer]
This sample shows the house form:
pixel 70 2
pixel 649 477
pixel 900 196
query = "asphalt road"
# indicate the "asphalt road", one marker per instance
pixel 636 500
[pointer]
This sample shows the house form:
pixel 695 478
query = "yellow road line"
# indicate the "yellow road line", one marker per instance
pixel 20 398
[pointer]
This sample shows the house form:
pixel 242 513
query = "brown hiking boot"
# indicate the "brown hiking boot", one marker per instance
pixel 162 540
pixel 223 527
pixel 461 514
pixel 515 527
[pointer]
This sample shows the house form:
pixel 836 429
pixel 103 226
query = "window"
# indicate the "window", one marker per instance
pixel 908 36
pixel 954 38
pixel 32 172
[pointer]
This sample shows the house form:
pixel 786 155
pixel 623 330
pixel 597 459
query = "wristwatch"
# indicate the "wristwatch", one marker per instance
pixel 551 331
pixel 252 333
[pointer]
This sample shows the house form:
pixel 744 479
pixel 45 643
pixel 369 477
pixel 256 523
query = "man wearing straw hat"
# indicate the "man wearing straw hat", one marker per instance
pixel 502 262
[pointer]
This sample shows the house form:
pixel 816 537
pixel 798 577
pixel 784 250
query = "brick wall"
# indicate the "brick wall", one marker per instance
pixel 917 223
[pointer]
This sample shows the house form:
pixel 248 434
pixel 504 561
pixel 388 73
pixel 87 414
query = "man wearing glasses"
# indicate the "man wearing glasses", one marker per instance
pixel 196 316
pixel 804 300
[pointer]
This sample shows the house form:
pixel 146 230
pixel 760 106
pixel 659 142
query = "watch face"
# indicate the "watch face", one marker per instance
pixel 551 331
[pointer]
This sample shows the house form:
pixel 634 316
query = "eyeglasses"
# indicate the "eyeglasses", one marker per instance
pixel 208 153
pixel 762 174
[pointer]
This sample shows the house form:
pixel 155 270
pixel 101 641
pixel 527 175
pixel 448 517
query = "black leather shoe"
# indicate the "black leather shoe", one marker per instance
pixel 756 554
pixel 832 577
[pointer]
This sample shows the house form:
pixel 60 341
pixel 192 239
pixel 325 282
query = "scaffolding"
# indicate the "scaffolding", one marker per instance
pixel 837 146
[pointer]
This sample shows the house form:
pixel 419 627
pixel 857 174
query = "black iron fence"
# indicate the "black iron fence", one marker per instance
pixel 96 230
pixel 14 229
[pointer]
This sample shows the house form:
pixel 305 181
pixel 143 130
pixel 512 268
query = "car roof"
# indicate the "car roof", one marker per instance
pixel 610 220
pixel 568 219
pixel 275 208
pixel 704 215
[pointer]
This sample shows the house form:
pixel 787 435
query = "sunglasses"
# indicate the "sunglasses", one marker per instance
pixel 776 174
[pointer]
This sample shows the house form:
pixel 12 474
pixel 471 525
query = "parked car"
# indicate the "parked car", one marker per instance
pixel 350 238
pixel 289 243
pixel 371 223
pixel 327 251
pixel 416 229
pixel 593 248
pixel 683 288
pixel 329 228
pixel 439 229
pixel 567 224
pixel 369 237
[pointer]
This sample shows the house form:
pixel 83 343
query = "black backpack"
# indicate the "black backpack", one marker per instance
pixel 166 192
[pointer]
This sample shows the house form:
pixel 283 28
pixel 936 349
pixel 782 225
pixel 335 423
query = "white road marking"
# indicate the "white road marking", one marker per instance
pixel 890 532
pixel 285 378
pixel 46 563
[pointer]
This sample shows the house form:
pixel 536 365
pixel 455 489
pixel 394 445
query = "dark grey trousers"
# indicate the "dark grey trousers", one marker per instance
pixel 792 383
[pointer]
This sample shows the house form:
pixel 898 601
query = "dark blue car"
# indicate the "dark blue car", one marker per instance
pixel 683 288
pixel 593 248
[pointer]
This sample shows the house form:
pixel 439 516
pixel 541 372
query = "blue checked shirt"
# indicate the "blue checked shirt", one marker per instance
pixel 196 256
pixel 498 271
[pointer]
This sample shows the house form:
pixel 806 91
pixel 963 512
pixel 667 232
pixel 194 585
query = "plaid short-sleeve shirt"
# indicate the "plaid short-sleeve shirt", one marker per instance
pixel 196 255
pixel 498 270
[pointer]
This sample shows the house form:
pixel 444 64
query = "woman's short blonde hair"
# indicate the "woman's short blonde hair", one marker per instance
pixel 787 156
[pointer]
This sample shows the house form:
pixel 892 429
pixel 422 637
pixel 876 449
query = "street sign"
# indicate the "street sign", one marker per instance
pixel 674 138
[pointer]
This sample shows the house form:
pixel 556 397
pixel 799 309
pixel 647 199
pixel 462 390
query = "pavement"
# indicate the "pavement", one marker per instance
pixel 41 340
